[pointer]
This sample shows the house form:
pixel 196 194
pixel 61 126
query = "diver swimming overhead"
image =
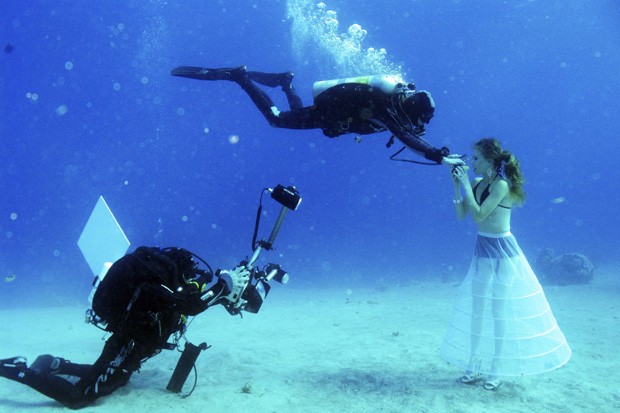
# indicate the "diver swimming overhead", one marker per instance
pixel 361 105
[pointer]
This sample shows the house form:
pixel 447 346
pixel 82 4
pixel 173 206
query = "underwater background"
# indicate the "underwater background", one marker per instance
pixel 88 108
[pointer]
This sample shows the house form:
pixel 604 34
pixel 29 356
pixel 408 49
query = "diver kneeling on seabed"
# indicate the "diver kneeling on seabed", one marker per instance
pixel 144 300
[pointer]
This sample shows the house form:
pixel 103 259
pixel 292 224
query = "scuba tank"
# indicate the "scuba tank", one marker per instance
pixel 386 83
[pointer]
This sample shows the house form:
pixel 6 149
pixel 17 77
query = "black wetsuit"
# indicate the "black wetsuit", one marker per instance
pixel 150 289
pixel 341 109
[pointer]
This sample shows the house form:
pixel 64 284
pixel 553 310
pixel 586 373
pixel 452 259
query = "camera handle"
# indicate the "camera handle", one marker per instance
pixel 272 238
pixel 289 198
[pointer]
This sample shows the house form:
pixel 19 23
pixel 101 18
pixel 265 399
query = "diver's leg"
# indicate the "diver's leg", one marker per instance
pixel 42 378
pixel 297 118
pixel 294 101
pixel 261 100
pixel 12 366
pixel 113 368
pixel 240 75
pixel 76 385
pixel 284 80
pixel 47 364
pixel 272 79
pixel 202 73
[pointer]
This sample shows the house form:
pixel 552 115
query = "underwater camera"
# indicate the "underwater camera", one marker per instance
pixel 253 295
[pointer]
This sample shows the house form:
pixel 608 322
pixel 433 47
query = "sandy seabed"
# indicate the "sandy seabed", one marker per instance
pixel 336 350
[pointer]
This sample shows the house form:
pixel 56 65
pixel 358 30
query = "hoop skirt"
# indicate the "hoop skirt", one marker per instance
pixel 502 324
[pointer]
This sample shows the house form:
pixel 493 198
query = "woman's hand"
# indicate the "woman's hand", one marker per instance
pixel 455 177
pixel 459 174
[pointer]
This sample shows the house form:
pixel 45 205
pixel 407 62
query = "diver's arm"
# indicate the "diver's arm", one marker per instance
pixel 205 294
pixel 422 147
pixel 226 285
pixel 187 299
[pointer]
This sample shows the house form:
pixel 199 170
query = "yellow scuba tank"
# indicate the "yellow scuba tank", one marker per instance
pixel 386 83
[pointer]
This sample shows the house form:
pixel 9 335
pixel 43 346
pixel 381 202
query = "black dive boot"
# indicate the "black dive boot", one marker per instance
pixel 234 74
pixel 283 80
pixel 47 364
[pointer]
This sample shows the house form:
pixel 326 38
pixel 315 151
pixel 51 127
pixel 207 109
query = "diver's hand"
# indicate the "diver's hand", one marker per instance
pixel 237 281
pixel 453 160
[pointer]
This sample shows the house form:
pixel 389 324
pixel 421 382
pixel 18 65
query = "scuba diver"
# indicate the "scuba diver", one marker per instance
pixel 362 105
pixel 143 300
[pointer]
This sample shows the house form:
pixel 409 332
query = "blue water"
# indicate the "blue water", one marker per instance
pixel 88 108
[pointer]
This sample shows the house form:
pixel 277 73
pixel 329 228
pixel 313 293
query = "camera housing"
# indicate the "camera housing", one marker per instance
pixel 257 289
pixel 254 295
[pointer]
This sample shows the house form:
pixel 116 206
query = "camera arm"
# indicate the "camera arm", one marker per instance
pixel 289 198
pixel 272 238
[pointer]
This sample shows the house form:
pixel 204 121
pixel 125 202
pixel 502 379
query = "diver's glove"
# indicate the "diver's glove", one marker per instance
pixel 437 155
pixel 236 281
pixel 454 160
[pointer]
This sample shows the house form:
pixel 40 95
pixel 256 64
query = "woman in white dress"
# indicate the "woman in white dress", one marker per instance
pixel 502 324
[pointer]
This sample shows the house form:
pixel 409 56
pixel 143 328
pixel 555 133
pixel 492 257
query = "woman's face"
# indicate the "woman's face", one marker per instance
pixel 480 164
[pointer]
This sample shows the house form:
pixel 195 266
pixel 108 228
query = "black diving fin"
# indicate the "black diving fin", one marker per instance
pixel 203 73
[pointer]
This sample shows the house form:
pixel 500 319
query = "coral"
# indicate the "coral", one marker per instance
pixel 573 268
pixel 247 388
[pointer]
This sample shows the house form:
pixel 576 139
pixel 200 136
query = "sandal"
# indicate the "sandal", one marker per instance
pixel 492 384
pixel 470 377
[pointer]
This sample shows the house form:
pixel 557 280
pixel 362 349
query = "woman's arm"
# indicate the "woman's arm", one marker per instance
pixel 459 203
